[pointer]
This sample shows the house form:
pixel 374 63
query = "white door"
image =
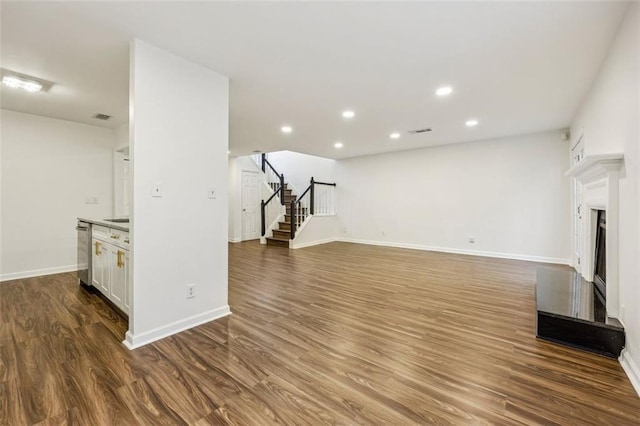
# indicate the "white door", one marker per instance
pixel 118 278
pixel 250 206
pixel 127 289
pixel 100 276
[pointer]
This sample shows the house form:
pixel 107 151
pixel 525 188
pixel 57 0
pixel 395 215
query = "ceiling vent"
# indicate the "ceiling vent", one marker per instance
pixel 102 116
pixel 415 132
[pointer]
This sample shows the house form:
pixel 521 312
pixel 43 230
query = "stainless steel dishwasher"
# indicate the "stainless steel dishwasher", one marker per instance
pixel 84 252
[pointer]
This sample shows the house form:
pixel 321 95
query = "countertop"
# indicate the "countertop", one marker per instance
pixel 103 222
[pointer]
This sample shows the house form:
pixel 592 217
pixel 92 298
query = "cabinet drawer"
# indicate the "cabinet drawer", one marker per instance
pixel 100 232
pixel 119 238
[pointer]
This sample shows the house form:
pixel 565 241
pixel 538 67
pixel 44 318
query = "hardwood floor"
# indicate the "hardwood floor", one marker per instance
pixel 338 333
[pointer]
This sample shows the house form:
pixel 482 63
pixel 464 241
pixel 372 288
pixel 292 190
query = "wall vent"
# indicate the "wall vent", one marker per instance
pixel 415 132
pixel 100 116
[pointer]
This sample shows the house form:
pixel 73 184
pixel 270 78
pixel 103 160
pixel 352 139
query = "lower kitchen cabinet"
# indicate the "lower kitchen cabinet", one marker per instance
pixel 110 267
pixel 119 269
pixel 100 275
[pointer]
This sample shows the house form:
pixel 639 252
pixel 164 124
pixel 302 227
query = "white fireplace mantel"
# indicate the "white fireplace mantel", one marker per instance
pixel 599 176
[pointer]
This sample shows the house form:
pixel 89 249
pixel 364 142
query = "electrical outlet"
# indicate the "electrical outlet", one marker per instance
pixel 191 291
pixel 472 240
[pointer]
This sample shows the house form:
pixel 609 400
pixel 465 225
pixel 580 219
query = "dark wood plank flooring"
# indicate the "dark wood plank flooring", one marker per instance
pixel 336 334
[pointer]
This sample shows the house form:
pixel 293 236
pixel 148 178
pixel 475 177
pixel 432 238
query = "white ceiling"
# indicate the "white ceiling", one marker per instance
pixel 516 67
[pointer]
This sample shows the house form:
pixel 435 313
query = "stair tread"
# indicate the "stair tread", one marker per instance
pixel 277 239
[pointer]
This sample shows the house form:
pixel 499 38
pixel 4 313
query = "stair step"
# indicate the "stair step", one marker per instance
pixel 280 234
pixel 284 226
pixel 278 242
pixel 301 211
pixel 287 217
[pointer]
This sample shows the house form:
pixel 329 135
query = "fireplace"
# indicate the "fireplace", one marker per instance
pixel 600 256
pixel 598 176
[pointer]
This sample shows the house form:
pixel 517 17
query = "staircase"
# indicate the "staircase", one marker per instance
pixel 296 208
pixel 282 235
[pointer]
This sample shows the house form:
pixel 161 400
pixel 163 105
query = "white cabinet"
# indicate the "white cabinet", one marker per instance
pixel 110 265
pixel 118 288
pixel 100 265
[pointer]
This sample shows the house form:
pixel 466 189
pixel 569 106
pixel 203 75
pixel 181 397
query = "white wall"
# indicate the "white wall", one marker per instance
pixel 122 135
pixel 609 119
pixel 49 167
pixel 121 195
pixel 180 139
pixel 299 168
pixel 317 230
pixel 510 194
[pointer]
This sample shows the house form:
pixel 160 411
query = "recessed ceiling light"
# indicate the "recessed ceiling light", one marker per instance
pixel 348 114
pixel 444 91
pixel 338 145
pixel 471 123
pixel 286 129
pixel 394 135
pixel 29 86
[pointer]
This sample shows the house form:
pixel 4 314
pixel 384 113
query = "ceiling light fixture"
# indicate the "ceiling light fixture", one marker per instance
pixel 286 129
pixel 348 114
pixel 471 123
pixel 338 145
pixel 395 135
pixel 15 82
pixel 444 91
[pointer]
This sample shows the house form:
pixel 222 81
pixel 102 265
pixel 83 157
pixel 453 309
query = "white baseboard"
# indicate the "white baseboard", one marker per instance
pixel 632 370
pixel 459 251
pixel 135 341
pixel 235 240
pixel 312 243
pixel 38 272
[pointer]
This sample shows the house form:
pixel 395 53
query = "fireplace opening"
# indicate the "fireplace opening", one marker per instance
pixel 600 268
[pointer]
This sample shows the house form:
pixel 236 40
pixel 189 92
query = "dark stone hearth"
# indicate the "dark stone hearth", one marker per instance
pixel 569 312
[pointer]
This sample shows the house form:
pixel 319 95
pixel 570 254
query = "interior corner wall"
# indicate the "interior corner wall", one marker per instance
pixel 509 194
pixel 49 168
pixel 608 121
pixel 179 141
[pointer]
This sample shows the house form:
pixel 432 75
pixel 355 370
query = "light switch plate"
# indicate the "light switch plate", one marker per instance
pixel 156 189
pixel 212 193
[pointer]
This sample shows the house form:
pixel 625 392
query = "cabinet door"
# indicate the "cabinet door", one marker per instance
pixel 127 288
pixel 118 276
pixel 100 276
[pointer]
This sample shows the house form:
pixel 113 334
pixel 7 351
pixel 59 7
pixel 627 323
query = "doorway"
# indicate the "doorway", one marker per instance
pixel 250 205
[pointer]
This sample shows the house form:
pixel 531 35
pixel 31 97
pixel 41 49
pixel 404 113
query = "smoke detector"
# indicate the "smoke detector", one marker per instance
pixel 100 116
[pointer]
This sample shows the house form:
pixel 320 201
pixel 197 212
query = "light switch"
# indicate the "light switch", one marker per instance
pixel 156 190
pixel 212 193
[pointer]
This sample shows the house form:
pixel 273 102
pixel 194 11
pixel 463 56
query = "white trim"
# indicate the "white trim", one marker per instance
pixel 500 255
pixel 599 176
pixel 595 164
pixel 235 240
pixel 135 341
pixel 631 368
pixel 312 243
pixel 38 272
